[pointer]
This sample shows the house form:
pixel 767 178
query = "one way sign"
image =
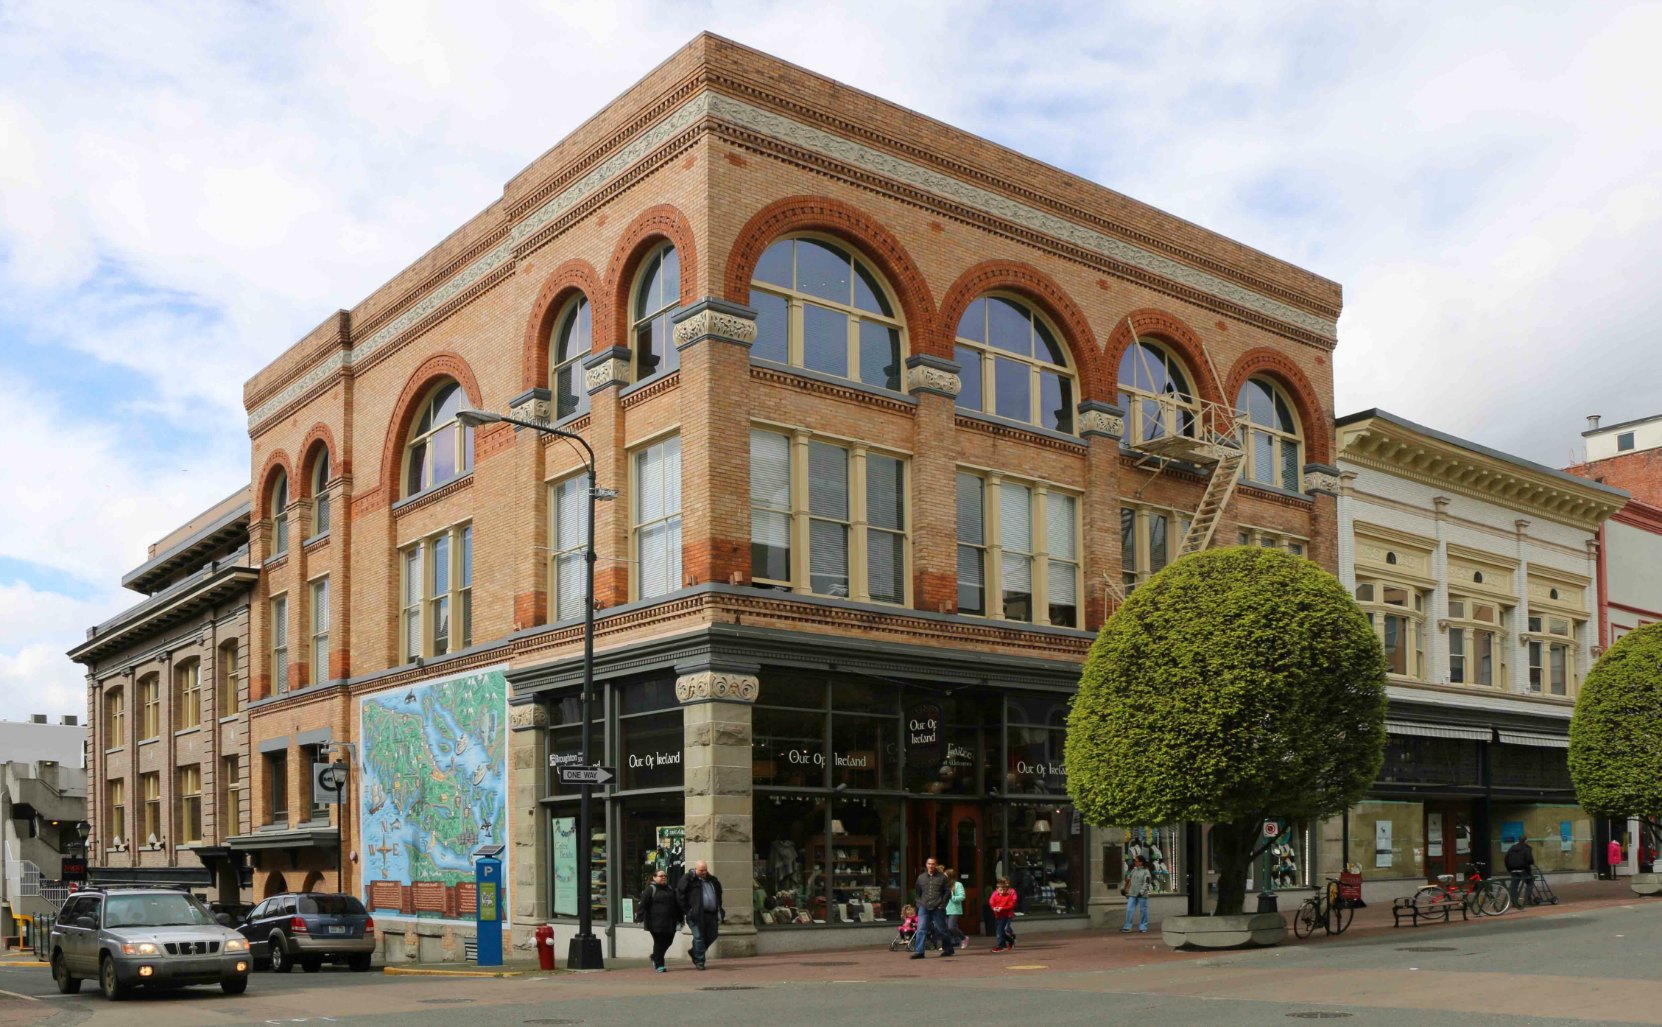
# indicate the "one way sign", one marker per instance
pixel 587 775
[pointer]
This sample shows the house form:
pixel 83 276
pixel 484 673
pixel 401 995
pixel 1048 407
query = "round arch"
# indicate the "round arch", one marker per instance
pixel 275 884
pixel 320 437
pixel 857 229
pixel 569 279
pixel 278 460
pixel 436 367
pixel 1314 423
pixel 1041 290
pixel 1172 332
pixel 662 223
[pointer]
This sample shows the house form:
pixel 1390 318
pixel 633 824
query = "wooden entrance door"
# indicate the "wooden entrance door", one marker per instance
pixel 1448 837
pixel 954 834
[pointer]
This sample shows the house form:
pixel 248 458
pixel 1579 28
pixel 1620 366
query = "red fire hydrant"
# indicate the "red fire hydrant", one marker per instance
pixel 545 946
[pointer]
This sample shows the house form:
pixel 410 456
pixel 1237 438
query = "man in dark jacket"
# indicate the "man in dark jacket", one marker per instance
pixel 659 911
pixel 933 892
pixel 1520 860
pixel 701 904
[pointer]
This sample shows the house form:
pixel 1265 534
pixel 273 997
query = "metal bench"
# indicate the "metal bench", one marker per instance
pixel 1430 906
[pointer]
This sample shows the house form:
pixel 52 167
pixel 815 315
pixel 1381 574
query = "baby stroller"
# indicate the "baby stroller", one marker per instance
pixel 906 937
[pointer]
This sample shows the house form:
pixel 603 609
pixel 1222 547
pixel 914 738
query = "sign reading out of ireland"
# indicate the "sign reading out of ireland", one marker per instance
pixel 432 787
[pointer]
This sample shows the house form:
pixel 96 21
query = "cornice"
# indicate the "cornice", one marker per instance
pixel 1640 515
pixel 1389 447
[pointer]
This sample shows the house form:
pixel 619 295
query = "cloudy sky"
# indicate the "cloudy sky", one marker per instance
pixel 187 188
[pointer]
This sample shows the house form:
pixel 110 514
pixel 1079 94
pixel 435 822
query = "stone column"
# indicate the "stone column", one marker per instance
pixel 715 703
pixel 1321 484
pixel 713 338
pixel 935 384
pixel 1101 425
pixel 528 839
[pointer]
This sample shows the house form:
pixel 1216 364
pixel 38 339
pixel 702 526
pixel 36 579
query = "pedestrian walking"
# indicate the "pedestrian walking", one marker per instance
pixel 659 911
pixel 1520 863
pixel 1613 855
pixel 701 904
pixel 1135 888
pixel 955 910
pixel 933 891
pixel 1003 904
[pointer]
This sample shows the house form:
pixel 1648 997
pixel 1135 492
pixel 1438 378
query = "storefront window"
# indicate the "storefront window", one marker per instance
pixel 565 864
pixel 565 739
pixel 1387 839
pixel 788 747
pixel 1430 761
pixel 1046 859
pixel 1037 734
pixel 653 838
pixel 1161 846
pixel 650 745
pixel 789 887
pixel 1560 834
pixel 863 865
pixel 863 750
pixel 949 739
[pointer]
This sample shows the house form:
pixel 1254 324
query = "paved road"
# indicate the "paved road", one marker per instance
pixel 1595 965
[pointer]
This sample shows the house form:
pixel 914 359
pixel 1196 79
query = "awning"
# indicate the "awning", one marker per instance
pixel 1538 740
pixel 300 838
pixel 1417 729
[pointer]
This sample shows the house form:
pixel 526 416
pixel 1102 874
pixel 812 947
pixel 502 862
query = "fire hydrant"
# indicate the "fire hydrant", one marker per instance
pixel 544 935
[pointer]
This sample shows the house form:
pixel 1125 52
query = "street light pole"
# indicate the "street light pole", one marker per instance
pixel 584 952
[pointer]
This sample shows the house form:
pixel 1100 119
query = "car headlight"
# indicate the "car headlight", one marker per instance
pixel 143 948
pixel 236 945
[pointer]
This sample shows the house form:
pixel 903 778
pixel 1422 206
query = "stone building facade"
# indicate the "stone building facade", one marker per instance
pixel 894 417
pixel 167 691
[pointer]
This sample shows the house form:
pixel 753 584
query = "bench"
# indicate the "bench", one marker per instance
pixel 1428 907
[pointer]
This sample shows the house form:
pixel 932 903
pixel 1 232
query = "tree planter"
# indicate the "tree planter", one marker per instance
pixel 1647 884
pixel 1257 930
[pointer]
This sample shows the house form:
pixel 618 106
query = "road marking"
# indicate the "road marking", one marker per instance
pixel 13 994
pixel 1029 966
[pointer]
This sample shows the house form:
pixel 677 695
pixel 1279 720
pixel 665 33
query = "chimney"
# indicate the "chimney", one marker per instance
pixel 37 718
pixel 69 720
pixel 1593 422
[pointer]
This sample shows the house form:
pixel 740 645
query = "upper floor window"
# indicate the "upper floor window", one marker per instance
pixel 652 321
pixel 827 518
pixel 656 531
pixel 572 341
pixel 1624 442
pixel 1010 363
pixel 279 513
pixel 1018 551
pixel 821 307
pixel 320 492
pixel 1269 436
pixel 1150 538
pixel 115 820
pixel 438 593
pixel 1270 540
pixel 1553 642
pixel 279 645
pixel 1476 642
pixel 440 448
pixel 1397 613
pixel 1155 393
pixel 187 795
pixel 187 694
pixel 568 581
pixel 150 786
pixel 320 630
pixel 230 677
pixel 115 717
pixel 149 707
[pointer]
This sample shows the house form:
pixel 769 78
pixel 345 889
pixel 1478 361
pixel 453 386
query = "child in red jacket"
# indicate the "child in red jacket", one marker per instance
pixel 1003 903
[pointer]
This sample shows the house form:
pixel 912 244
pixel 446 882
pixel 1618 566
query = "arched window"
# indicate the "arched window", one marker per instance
pixel 439 449
pixel 115 717
pixel 572 340
pixel 657 298
pixel 187 694
pixel 821 307
pixel 1269 435
pixel 1011 363
pixel 1155 394
pixel 320 491
pixel 279 513
pixel 149 709
pixel 228 670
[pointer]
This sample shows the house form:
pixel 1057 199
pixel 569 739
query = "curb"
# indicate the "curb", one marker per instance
pixel 22 962
pixel 399 971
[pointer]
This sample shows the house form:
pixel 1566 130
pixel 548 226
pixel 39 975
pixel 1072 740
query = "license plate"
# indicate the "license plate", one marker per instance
pixel 337 929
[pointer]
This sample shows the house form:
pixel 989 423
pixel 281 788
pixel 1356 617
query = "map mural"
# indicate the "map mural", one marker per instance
pixel 432 788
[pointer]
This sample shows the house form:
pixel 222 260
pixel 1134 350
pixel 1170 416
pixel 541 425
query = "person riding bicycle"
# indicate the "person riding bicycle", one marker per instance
pixel 1520 862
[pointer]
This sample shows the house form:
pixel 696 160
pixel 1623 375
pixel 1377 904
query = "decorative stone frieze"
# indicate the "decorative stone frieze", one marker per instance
pixel 1099 418
pixel 925 373
pixel 1321 478
pixel 715 319
pixel 526 716
pixel 717 685
pixel 532 405
pixel 606 368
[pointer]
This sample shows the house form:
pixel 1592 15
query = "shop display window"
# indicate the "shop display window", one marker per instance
pixel 564 862
pixel 1161 846
pixel 788 888
pixel 1560 834
pixel 1037 735
pixel 1046 859
pixel 650 750
pixel 862 860
pixel 864 751
pixel 959 758
pixel 1430 761
pixel 788 747
pixel 1387 839
pixel 653 835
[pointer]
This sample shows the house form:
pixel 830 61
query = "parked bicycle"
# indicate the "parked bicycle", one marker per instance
pixel 1327 909
pixel 1481 896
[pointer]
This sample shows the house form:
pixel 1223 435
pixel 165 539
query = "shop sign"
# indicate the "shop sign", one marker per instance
pixel 807 757
pixel 653 760
pixel 1042 768
pixel 925 736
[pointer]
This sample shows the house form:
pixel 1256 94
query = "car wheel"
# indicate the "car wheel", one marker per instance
pixel 311 966
pixel 281 961
pixel 234 986
pixel 359 963
pixel 108 982
pixel 68 985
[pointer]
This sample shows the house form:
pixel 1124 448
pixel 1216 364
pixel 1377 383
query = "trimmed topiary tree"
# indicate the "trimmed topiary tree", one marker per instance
pixel 1616 734
pixel 1237 684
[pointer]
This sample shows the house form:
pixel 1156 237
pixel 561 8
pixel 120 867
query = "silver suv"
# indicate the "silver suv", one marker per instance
pixel 144 937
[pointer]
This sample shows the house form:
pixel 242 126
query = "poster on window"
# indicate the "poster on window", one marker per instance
pixel 565 866
pixel 1381 843
pixel 1433 834
pixel 1566 836
pixel 1511 832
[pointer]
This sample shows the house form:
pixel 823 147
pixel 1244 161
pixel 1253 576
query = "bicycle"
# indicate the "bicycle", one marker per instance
pixel 1478 894
pixel 1325 909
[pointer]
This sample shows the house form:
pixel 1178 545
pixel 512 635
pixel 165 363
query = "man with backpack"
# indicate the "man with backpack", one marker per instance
pixel 1520 861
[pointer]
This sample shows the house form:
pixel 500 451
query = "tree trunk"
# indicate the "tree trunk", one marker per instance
pixel 1233 846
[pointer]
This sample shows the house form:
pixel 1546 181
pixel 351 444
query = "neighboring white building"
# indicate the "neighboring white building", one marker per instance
pixel 43 799
pixel 1479 571
pixel 1606 441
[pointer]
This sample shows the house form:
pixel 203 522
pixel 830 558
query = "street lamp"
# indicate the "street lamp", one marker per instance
pixel 584 951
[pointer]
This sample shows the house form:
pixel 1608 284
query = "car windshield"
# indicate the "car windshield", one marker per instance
pixel 331 905
pixel 172 910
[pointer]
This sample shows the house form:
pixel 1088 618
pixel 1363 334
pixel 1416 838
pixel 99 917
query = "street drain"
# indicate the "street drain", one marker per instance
pixel 443 1001
pixel 1319 1014
pixel 1428 948
pixel 730 987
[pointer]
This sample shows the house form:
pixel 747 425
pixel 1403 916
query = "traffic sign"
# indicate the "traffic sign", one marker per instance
pixel 587 775
pixel 328 782
pixel 1272 828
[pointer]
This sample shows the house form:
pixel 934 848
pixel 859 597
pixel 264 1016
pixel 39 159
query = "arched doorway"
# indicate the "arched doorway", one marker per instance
pixel 314 881
pixel 274 885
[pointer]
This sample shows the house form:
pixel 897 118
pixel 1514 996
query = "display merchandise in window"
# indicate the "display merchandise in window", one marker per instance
pixel 654 836
pixel 788 888
pixel 1046 854
pixel 1161 846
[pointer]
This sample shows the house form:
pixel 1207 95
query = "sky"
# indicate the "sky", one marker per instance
pixel 186 189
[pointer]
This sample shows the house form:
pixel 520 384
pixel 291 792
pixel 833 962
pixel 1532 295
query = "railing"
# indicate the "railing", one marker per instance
pixel 40 932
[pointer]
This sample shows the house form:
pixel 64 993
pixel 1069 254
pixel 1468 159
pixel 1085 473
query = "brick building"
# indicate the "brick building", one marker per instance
pixel 894 415
pixel 166 711
pixel 1628 456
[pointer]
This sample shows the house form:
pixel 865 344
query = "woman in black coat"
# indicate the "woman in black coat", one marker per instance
pixel 660 912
